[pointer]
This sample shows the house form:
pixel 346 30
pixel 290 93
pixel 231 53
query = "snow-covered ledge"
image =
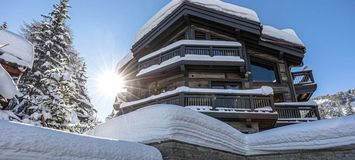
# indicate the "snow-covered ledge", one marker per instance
pixel 188 57
pixel 163 122
pixel 191 42
pixel 264 90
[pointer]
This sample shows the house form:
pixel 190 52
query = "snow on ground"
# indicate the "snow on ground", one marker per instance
pixel 288 35
pixel 19 141
pixel 189 57
pixel 8 88
pixel 170 122
pixel 191 42
pixel 8 115
pixel 16 49
pixel 217 5
pixel 264 90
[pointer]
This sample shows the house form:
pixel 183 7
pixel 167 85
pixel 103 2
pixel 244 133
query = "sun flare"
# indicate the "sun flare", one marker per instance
pixel 111 83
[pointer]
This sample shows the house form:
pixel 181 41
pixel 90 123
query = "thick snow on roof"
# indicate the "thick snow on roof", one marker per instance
pixel 287 35
pixel 264 90
pixel 189 57
pixel 169 122
pixel 16 49
pixel 128 57
pixel 217 5
pixel 8 88
pixel 191 42
pixel 25 142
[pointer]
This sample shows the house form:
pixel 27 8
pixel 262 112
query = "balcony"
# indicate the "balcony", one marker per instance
pixel 295 112
pixel 192 52
pixel 218 103
pixel 304 84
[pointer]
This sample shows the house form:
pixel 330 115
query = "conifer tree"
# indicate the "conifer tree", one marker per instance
pixel 54 90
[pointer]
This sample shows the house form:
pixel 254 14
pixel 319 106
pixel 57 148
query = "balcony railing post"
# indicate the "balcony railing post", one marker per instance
pixel 311 76
pixel 211 51
pixel 159 61
pixel 272 103
pixel 182 51
pixel 182 99
pixel 251 100
pixel 213 99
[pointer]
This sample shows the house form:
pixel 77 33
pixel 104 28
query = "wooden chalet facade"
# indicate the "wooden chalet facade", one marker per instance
pixel 219 64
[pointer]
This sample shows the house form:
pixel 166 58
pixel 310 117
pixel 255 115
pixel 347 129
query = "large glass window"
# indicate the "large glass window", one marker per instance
pixel 263 72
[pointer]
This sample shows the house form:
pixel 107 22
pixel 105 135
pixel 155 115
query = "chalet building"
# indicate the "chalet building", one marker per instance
pixel 218 58
pixel 16 55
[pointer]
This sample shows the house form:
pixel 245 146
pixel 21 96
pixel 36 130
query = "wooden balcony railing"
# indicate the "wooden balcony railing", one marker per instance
pixel 303 77
pixel 297 112
pixel 242 102
pixel 191 50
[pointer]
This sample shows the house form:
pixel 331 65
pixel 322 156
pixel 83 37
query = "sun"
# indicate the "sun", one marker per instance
pixel 111 83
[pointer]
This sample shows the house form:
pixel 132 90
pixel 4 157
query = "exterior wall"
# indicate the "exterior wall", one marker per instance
pixel 173 150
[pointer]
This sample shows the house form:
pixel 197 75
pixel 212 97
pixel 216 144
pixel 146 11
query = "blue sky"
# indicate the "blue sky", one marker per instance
pixel 104 30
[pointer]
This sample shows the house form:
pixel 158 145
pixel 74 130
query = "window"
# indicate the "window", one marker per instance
pixel 263 72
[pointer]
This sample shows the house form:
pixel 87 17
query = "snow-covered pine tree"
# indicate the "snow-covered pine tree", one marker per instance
pixel 54 90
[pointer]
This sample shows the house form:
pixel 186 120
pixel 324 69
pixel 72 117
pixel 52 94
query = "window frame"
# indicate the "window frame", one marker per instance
pixel 265 64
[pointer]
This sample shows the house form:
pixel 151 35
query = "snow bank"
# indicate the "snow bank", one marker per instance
pixel 217 5
pixel 15 49
pixel 8 88
pixel 19 141
pixel 313 135
pixel 191 42
pixel 190 57
pixel 169 122
pixel 264 90
pixel 287 35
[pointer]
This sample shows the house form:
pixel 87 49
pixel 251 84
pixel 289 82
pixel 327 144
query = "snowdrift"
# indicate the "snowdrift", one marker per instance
pixel 19 141
pixel 169 122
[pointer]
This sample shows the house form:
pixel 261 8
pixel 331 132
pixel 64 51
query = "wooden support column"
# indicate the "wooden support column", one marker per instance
pixel 290 83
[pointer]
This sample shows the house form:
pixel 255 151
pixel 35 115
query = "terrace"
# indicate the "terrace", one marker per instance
pixel 192 52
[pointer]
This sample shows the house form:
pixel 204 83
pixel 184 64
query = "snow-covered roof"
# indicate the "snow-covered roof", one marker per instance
pixel 169 122
pixel 217 5
pixel 189 57
pixel 16 49
pixel 264 90
pixel 127 58
pixel 25 142
pixel 285 35
pixel 191 42
pixel 8 88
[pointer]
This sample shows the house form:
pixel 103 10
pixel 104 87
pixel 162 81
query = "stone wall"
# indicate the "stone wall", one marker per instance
pixel 173 150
